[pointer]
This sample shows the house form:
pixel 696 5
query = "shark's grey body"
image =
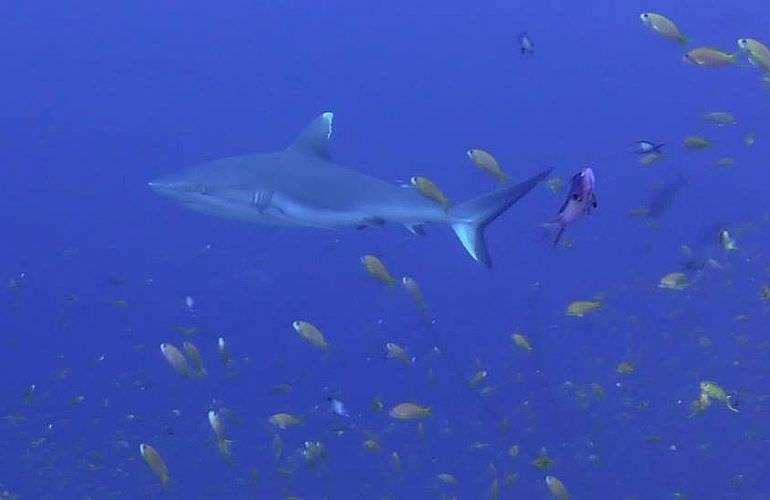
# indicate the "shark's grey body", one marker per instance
pixel 303 186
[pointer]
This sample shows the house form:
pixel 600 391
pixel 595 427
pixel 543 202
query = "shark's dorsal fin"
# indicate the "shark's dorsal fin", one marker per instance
pixel 314 138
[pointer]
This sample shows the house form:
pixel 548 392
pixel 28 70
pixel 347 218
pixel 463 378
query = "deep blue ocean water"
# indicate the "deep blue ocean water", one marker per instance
pixel 100 97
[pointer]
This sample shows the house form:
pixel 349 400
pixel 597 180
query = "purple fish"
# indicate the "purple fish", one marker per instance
pixel 580 200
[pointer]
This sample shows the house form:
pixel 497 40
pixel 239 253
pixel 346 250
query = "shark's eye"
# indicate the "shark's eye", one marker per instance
pixel 575 196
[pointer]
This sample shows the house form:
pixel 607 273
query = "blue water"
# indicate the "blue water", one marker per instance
pixel 100 97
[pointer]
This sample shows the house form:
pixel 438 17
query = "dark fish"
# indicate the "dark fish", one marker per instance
pixel 664 197
pixel 580 200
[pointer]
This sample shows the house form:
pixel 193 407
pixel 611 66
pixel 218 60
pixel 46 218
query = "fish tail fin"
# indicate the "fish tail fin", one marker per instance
pixel 555 229
pixel 558 236
pixel 683 40
pixel 226 450
pixel 471 217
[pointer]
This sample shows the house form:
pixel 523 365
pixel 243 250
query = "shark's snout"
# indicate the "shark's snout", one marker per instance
pixel 159 183
pixel 169 184
pixel 169 188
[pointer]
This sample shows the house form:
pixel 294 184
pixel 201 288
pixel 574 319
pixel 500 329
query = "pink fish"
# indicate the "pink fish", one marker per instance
pixel 580 200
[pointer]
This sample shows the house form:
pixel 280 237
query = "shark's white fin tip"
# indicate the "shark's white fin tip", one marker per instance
pixel 329 118
pixel 314 138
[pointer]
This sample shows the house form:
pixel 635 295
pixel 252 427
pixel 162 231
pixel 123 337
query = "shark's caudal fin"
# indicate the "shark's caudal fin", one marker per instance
pixel 472 216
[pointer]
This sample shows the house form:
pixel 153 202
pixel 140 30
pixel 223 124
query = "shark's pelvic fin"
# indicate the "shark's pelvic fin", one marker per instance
pixel 472 216
pixel 314 138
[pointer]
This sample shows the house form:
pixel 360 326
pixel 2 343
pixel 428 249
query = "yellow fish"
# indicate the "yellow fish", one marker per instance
pixel 395 460
pixel 413 289
pixel 430 190
pixel 446 478
pixel 310 333
pixel 759 54
pixel 625 368
pixel 650 158
pixel 410 411
pixel 542 461
pixel 175 358
pixel 580 308
pixel 727 241
pixel 557 488
pixel 695 142
pixel 521 342
pixel 715 391
pixel 721 118
pixel 674 281
pixel 663 26
pixel 554 184
pixel 195 358
pixel 284 420
pixel 709 57
pixel 486 162
pixel 156 464
pixel 224 352
pixel 395 351
pixel 478 378
pixel 764 292
pixel 377 269
pixel 725 162
pixel 217 424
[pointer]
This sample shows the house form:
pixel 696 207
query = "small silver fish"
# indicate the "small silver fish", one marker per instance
pixel 527 46
pixel 338 407
pixel 644 147
pixel 580 200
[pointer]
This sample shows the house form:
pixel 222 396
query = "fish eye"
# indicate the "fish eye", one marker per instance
pixel 575 196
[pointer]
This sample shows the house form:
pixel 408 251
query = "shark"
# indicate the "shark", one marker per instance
pixel 302 185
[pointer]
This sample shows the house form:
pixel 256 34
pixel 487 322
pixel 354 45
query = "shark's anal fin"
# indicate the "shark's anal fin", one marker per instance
pixel 314 138
pixel 417 229
pixel 472 216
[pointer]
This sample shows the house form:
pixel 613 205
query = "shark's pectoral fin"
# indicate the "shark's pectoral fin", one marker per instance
pixel 314 138
pixel 371 221
pixel 265 203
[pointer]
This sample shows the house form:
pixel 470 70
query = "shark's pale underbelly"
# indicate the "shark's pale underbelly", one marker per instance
pixel 299 214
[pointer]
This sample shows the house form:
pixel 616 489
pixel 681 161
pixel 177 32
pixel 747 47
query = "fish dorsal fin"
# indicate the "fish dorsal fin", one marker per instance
pixel 314 138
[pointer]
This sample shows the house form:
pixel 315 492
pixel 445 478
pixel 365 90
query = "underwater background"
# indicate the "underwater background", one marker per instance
pixel 100 97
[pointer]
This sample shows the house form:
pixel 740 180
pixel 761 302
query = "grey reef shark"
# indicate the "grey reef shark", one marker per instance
pixel 303 186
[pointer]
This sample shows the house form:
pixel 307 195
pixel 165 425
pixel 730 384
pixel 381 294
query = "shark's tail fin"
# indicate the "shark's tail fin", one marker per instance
pixel 472 216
